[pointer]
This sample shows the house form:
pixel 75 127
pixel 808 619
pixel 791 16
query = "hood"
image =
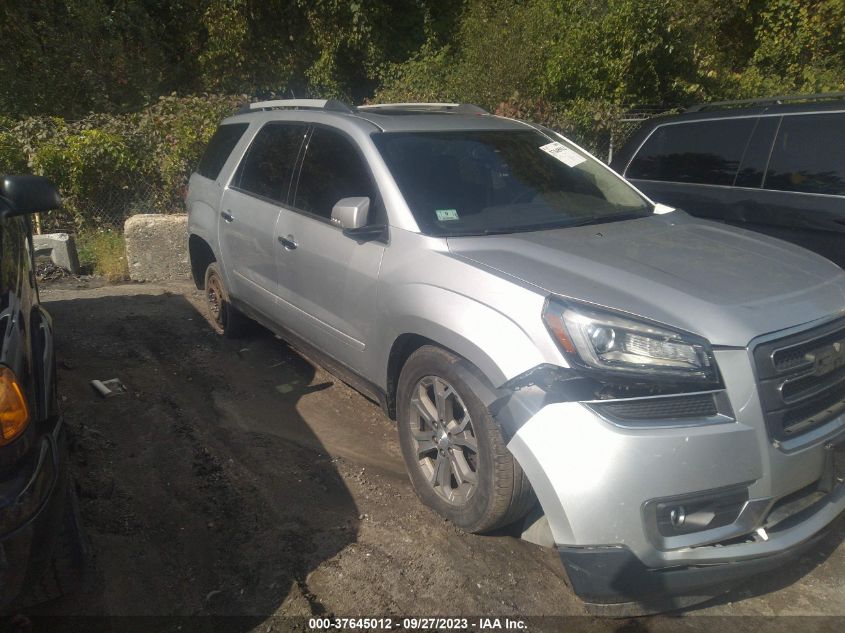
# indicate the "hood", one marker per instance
pixel 724 283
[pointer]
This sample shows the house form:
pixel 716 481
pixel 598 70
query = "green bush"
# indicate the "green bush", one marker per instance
pixel 171 136
pixel 108 167
pixel 93 169
pixel 12 156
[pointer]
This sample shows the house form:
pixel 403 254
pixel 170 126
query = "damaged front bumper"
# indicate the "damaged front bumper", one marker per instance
pixel 673 495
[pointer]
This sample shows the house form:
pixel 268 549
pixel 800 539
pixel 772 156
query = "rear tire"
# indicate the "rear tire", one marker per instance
pixel 224 318
pixel 444 425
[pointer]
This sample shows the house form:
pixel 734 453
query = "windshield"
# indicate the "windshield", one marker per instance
pixel 485 182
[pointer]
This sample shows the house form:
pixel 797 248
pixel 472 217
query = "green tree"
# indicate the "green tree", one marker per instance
pixel 75 56
pixel 800 47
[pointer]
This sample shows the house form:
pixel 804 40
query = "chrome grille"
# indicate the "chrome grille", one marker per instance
pixel 801 379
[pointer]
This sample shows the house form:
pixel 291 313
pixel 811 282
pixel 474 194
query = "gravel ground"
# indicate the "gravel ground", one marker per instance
pixel 236 478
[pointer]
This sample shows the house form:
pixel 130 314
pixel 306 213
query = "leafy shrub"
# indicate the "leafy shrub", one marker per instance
pixel 172 134
pixel 93 170
pixel 108 167
pixel 12 156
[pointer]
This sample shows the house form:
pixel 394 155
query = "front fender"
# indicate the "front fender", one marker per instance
pixel 484 336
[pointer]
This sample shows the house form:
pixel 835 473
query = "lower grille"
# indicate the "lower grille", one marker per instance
pixel 664 408
pixel 802 379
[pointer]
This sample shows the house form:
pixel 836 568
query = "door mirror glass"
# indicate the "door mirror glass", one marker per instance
pixel 351 213
pixel 21 195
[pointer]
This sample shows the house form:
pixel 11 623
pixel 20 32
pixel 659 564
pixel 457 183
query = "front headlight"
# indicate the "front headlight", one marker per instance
pixel 597 340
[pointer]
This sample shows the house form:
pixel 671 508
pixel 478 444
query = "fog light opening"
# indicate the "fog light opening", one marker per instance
pixel 698 512
pixel 677 516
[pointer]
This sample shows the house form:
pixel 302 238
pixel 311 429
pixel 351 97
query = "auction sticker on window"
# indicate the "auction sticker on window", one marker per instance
pixel 563 153
pixel 446 215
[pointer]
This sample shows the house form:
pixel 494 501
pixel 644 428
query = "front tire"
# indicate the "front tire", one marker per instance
pixel 68 561
pixel 453 449
pixel 224 318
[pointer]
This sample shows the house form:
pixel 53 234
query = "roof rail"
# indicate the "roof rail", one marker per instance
pixel 332 105
pixel 766 101
pixel 457 108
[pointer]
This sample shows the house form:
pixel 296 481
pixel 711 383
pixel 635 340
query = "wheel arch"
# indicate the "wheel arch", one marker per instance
pixel 201 255
pixel 476 366
pixel 43 365
pixel 490 341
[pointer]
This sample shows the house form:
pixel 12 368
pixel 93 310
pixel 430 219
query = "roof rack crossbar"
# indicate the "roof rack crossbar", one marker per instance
pixel 297 104
pixel 458 108
pixel 766 100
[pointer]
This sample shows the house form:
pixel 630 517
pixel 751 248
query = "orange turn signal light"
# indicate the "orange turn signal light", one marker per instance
pixel 14 414
pixel 554 321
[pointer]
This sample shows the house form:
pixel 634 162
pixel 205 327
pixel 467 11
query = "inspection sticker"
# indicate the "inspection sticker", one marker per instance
pixel 446 215
pixel 563 153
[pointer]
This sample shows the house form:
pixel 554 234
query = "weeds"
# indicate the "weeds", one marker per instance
pixel 103 253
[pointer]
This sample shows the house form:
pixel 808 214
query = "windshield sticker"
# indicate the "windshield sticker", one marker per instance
pixel 563 153
pixel 447 215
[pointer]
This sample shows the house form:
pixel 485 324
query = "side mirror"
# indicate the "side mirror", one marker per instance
pixel 351 213
pixel 21 195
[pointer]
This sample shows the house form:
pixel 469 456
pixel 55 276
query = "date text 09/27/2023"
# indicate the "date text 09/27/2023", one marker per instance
pixel 417 623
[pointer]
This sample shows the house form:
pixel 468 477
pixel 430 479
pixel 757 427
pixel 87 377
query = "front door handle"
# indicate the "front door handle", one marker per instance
pixel 226 216
pixel 288 242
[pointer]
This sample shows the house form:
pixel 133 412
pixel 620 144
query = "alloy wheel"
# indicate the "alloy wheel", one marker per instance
pixel 214 298
pixel 444 439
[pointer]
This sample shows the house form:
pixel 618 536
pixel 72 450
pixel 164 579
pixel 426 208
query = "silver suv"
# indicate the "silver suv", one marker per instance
pixel 661 398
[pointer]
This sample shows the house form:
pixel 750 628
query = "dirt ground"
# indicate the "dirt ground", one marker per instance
pixel 236 478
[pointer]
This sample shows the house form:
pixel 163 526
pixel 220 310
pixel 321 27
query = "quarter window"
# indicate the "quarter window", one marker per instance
pixel 706 152
pixel 219 148
pixel 332 169
pixel 267 167
pixel 808 155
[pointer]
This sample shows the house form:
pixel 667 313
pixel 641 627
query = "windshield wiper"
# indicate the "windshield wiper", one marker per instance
pixel 508 229
pixel 523 229
pixel 619 217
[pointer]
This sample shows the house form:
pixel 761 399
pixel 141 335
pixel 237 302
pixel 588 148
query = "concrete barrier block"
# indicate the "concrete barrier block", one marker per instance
pixel 157 247
pixel 60 248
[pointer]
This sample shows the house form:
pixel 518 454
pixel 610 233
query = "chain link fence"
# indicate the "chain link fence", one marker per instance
pixel 617 132
pixel 107 212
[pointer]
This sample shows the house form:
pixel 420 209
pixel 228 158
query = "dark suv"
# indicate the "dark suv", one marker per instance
pixel 774 165
pixel 41 544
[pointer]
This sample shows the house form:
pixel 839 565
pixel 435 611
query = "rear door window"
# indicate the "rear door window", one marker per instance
pixel 219 148
pixel 808 155
pixel 267 166
pixel 332 169
pixel 706 152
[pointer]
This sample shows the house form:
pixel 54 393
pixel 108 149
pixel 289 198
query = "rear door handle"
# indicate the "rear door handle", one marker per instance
pixel 288 242
pixel 227 216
